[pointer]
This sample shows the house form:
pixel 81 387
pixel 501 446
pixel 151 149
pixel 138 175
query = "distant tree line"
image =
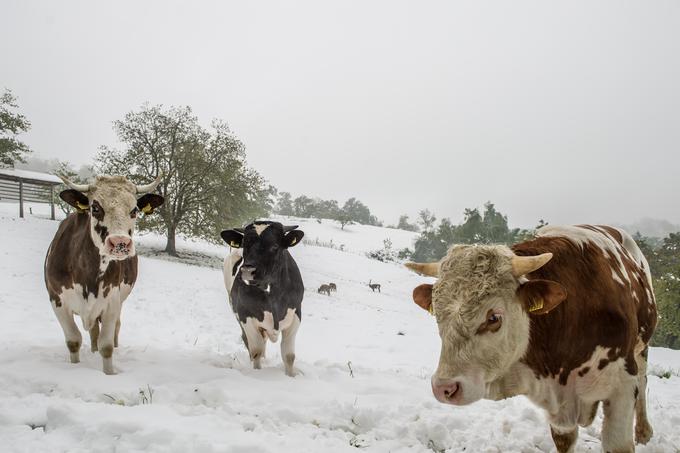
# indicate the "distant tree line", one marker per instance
pixel 488 226
pixel 352 211
pixel 664 262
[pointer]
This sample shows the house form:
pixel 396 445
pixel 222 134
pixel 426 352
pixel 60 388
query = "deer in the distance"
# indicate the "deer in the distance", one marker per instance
pixel 374 286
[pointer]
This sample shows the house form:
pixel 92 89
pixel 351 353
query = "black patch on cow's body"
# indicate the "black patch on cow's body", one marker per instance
pixel 279 286
pixel 97 210
pixel 584 371
pixel 74 259
pixel 636 392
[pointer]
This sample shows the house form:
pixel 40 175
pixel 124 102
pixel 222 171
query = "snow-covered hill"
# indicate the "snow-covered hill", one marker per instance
pixel 364 359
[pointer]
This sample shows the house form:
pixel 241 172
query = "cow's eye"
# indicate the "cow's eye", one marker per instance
pixel 134 212
pixel 95 208
pixel 494 318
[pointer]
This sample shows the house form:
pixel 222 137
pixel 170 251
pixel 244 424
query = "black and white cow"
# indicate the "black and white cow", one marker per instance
pixel 265 287
pixel 91 265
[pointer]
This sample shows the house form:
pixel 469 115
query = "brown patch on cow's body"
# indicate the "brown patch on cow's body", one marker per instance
pixel 582 372
pixel 598 311
pixel 74 259
pixel 563 441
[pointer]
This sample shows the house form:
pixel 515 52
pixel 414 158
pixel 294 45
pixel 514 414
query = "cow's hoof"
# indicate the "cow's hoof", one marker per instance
pixel 75 357
pixel 643 432
pixel 93 348
pixel 291 372
pixel 257 364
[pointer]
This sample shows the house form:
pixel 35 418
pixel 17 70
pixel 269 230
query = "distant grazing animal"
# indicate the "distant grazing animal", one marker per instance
pixel 91 264
pixel 324 289
pixel 564 319
pixel 374 286
pixel 333 287
pixel 265 287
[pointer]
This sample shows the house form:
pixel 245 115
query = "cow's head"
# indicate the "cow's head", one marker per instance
pixel 111 203
pixel 263 244
pixel 482 303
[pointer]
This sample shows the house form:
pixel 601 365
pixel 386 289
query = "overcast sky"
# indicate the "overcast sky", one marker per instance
pixel 566 112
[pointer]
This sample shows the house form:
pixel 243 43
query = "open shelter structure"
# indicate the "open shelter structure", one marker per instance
pixel 28 186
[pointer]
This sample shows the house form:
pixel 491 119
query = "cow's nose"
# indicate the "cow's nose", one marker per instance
pixel 119 245
pixel 447 391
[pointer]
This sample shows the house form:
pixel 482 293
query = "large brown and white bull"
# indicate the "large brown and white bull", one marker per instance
pixel 564 319
pixel 91 264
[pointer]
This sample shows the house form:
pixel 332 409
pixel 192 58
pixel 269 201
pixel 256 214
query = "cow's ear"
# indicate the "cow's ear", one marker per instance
pixel 76 199
pixel 233 238
pixel 422 296
pixel 149 202
pixel 293 238
pixel 541 296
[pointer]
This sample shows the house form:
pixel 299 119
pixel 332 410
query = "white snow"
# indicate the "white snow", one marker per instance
pixel 180 340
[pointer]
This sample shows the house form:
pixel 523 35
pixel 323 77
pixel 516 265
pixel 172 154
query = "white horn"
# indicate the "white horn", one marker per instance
pixel 150 187
pixel 522 265
pixel 429 269
pixel 74 186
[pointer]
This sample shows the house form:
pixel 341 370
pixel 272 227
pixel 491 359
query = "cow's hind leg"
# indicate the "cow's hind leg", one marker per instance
pixel 617 427
pixel 94 336
pixel 643 429
pixel 565 441
pixel 288 346
pixel 71 333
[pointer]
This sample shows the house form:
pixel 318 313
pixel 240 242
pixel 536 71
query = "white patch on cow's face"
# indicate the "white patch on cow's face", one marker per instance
pixel 113 207
pixel 259 228
pixel 462 301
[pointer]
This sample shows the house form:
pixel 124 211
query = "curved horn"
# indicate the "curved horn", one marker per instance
pixel 150 187
pixel 287 228
pixel 522 265
pixel 429 269
pixel 74 186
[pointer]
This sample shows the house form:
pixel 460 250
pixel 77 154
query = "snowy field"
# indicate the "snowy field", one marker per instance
pixel 364 362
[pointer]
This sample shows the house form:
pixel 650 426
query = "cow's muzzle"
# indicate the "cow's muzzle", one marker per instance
pixel 447 391
pixel 248 274
pixel 119 246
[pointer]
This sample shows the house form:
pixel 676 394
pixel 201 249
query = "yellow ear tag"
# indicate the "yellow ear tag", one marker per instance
pixel 234 244
pixel 81 207
pixel 147 209
pixel 536 305
pixel 294 241
pixel 429 309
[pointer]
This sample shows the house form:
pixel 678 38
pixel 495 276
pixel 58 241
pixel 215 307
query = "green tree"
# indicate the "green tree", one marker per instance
pixel 426 219
pixel 206 182
pixel 12 124
pixel 284 205
pixel 404 224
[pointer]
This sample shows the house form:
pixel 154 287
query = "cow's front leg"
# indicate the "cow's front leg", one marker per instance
pixel 115 336
pixel 71 333
pixel 565 440
pixel 105 342
pixel 94 336
pixel 288 346
pixel 617 427
pixel 255 343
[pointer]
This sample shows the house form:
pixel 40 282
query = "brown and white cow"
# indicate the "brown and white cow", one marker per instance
pixel 564 319
pixel 91 264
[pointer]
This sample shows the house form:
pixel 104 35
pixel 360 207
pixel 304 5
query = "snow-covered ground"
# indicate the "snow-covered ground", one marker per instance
pixel 364 360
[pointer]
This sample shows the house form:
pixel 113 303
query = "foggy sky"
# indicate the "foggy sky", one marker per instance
pixel 566 112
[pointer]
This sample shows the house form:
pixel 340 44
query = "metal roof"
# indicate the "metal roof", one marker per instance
pixel 29 176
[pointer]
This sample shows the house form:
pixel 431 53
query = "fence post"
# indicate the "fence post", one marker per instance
pixel 52 202
pixel 21 199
